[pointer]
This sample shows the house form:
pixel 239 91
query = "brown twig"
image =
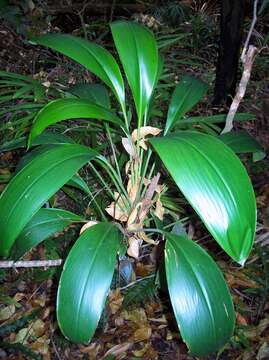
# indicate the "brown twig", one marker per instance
pixel 30 263
pixel 247 58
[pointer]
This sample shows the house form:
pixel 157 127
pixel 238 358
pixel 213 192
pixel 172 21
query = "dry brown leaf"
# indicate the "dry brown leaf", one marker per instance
pixel 92 350
pixel 141 235
pixel 133 249
pixel 118 349
pixel 144 131
pixel 127 166
pixel 132 189
pixel 115 300
pixel 117 209
pixel 128 146
pixel 87 226
pixel 142 334
pixel 19 296
pixel 38 328
pixel 133 215
pixel 137 316
pixel 159 210
pixel 41 345
pixel 240 279
pixel 141 352
pixel 240 319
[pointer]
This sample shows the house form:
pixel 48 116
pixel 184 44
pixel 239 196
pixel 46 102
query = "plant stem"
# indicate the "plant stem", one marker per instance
pixel 113 150
pixel 114 177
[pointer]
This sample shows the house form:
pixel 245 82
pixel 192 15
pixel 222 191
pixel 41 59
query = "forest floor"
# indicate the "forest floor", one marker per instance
pixel 142 327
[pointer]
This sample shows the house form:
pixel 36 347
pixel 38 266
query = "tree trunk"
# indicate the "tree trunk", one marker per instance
pixel 232 17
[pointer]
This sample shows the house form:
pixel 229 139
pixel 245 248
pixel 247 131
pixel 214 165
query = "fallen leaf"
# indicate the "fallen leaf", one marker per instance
pixel 38 328
pixel 138 316
pixel 263 352
pixel 142 334
pixel 115 300
pixel 6 312
pixel 23 335
pixel 118 349
pixel 41 345
pixel 240 319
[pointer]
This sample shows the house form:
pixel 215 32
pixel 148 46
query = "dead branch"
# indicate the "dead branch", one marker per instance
pixel 247 58
pixel 30 263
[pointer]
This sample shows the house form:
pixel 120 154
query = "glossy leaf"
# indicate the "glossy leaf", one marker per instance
pixel 85 281
pixel 31 187
pixel 65 109
pixel 95 93
pixel 95 58
pixel 76 181
pixel 199 295
pixel 138 53
pixel 242 142
pixel 43 224
pixel 216 184
pixel 186 94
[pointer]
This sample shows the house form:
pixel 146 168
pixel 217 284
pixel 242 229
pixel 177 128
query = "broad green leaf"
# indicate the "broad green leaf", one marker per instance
pixel 76 181
pixel 43 139
pixel 186 94
pixel 32 186
pixel 242 142
pixel 138 53
pixel 95 93
pixel 199 295
pixel 95 58
pixel 65 109
pixel 43 224
pixel 216 184
pixel 85 281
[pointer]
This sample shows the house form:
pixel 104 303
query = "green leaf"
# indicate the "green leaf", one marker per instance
pixel 31 187
pixel 242 142
pixel 43 224
pixel 77 182
pixel 95 58
pixel 199 295
pixel 65 109
pixel 213 119
pixel 216 184
pixel 43 139
pixel 95 93
pixel 85 281
pixel 138 53
pixel 186 94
